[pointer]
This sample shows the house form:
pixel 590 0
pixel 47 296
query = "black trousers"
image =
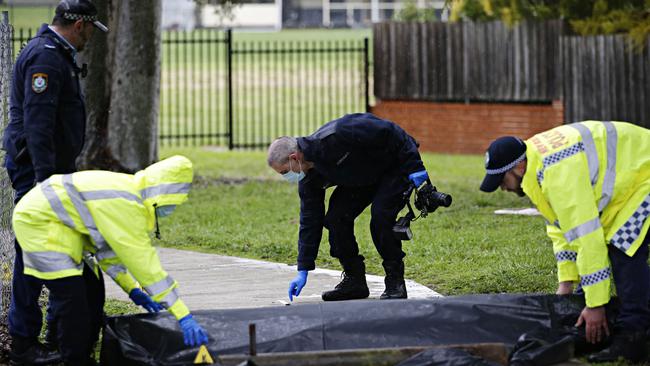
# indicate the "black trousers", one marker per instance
pixel 25 315
pixel 632 280
pixel 347 203
pixel 77 303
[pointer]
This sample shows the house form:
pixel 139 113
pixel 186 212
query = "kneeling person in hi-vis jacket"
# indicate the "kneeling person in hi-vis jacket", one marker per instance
pixel 591 182
pixel 69 225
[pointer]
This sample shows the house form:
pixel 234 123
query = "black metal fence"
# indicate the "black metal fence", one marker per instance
pixel 217 90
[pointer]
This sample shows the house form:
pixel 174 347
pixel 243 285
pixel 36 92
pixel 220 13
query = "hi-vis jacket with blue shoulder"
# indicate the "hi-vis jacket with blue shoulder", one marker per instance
pixel 66 218
pixel 591 182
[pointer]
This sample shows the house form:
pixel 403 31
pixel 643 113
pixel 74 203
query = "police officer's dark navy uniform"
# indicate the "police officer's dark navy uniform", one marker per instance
pixel 47 113
pixel 369 161
pixel 45 136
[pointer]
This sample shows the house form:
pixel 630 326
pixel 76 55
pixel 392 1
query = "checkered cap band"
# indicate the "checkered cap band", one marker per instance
pixel 566 255
pixel 627 234
pixel 596 277
pixel 507 167
pixel 85 18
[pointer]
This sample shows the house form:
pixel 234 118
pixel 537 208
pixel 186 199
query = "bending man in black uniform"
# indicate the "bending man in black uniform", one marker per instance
pixel 371 162
pixel 45 136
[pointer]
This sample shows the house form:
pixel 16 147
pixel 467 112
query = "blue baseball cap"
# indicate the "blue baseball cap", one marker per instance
pixel 502 155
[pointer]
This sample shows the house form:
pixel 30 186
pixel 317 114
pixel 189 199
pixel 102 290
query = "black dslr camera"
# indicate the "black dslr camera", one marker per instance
pixel 427 200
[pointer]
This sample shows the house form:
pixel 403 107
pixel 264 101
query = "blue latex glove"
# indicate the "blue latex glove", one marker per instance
pixel 193 334
pixel 418 177
pixel 297 284
pixel 141 299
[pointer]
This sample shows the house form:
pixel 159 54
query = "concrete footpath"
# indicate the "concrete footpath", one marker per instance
pixel 210 281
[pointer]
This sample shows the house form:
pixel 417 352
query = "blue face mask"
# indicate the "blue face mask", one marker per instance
pixel 293 177
pixel 166 210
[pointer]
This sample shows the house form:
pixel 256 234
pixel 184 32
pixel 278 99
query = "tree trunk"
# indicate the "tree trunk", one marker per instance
pixel 122 87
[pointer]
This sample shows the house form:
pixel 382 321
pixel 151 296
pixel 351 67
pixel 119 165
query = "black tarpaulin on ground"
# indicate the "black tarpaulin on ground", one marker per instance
pixel 156 339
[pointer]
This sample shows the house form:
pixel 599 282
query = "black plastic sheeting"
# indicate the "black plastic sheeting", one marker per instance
pixel 543 322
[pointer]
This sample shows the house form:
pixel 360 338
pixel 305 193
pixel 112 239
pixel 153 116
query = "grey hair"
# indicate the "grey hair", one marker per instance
pixel 280 149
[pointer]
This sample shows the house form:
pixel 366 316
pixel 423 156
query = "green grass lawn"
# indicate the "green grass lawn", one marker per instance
pixel 28 16
pixel 240 207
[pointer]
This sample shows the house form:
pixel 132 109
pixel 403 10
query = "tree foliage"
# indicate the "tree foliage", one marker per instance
pixel 411 13
pixel 586 17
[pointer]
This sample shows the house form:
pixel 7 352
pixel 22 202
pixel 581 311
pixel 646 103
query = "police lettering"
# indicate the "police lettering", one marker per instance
pixel 539 145
pixel 554 138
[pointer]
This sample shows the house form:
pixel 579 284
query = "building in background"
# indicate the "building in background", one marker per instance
pixel 248 14
pixel 179 14
pixel 259 14
pixel 348 13
pixel 278 14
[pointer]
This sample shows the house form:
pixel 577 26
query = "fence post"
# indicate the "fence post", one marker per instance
pixel 6 192
pixel 366 72
pixel 231 144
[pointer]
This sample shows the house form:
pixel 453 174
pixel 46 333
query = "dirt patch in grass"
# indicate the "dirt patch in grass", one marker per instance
pixel 203 182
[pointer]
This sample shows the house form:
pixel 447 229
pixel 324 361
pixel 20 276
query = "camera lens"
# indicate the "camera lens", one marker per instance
pixel 443 199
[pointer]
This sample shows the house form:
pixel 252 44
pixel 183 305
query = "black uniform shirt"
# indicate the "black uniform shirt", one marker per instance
pixel 47 111
pixel 354 150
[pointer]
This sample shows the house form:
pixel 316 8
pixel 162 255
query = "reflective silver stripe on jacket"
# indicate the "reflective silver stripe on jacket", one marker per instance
pixel 106 194
pixel 167 188
pixel 114 270
pixel 566 255
pixel 83 211
pixel 160 286
pixel 55 204
pixel 590 151
pixel 50 261
pixel 627 234
pixel 557 157
pixel 610 171
pixel 596 277
pixel 105 253
pixel 582 230
pixel 169 299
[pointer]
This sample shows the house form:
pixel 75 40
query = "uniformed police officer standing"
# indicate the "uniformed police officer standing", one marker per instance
pixel 371 161
pixel 45 136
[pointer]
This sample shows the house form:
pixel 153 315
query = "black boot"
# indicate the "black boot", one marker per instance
pixel 31 353
pixel 394 280
pixel 627 345
pixel 353 286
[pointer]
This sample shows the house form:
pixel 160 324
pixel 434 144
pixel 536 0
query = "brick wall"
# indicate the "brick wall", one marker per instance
pixel 468 128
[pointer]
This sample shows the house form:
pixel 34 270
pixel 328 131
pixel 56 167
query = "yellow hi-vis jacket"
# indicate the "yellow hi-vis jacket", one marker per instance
pixel 70 218
pixel 591 182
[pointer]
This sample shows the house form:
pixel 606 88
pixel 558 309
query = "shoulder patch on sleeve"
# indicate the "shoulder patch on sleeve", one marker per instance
pixel 39 82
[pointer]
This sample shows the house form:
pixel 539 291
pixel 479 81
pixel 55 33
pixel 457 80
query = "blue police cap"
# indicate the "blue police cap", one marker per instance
pixel 79 10
pixel 502 155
